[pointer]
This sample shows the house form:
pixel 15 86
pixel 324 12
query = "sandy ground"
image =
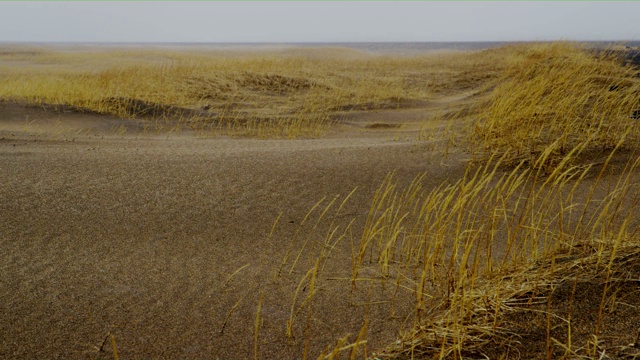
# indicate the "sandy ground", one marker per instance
pixel 137 235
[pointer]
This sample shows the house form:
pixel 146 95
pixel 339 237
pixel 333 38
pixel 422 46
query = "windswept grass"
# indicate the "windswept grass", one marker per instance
pixel 288 93
pixel 476 256
pixel 561 102
pixel 493 244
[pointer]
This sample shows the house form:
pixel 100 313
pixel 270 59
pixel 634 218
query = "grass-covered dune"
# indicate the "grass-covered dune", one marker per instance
pixel 456 206
pixel 293 93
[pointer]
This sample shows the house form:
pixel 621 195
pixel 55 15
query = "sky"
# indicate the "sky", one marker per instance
pixel 317 21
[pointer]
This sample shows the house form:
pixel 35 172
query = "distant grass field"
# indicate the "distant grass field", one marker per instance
pixel 266 94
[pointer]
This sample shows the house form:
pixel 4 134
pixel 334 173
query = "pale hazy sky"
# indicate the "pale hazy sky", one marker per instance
pixel 322 21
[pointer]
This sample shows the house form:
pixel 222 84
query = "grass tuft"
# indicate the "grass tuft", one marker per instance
pixel 558 103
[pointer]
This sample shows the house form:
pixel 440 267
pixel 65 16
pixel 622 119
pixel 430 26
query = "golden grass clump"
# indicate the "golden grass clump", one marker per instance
pixel 555 100
pixel 470 258
pixel 494 244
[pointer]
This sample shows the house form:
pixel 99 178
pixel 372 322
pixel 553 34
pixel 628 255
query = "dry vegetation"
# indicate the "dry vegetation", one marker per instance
pixel 271 94
pixel 556 103
pixel 530 255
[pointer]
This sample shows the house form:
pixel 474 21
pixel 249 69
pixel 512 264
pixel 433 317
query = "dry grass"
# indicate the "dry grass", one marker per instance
pixel 485 248
pixel 476 254
pixel 265 94
pixel 558 101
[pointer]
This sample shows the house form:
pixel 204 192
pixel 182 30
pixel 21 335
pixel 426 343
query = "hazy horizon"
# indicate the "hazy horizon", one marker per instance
pixel 316 22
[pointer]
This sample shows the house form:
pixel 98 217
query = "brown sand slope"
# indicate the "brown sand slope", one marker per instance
pixel 137 236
